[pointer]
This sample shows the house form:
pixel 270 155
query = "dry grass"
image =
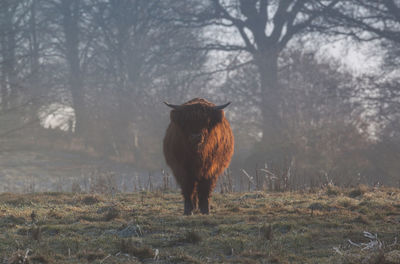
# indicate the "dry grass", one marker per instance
pixel 296 227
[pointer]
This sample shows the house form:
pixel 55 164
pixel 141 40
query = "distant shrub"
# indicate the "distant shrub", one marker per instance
pixel 76 188
pixel 103 183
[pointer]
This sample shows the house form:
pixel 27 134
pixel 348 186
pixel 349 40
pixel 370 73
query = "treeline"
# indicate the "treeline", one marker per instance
pixel 298 117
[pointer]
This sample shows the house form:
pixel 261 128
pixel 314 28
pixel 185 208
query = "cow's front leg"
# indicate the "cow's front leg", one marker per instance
pixel 204 205
pixel 204 190
pixel 189 193
pixel 188 207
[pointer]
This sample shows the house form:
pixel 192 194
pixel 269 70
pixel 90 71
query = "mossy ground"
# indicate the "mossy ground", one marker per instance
pixel 258 227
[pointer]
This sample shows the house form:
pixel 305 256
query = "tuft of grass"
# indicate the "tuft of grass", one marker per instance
pixel 365 257
pixel 127 246
pixel 361 219
pixel 181 257
pixel 346 202
pixel 316 207
pixel 254 218
pixel 54 214
pixel 235 208
pixel 111 214
pixel 36 233
pixel 38 258
pixel 92 255
pixel 332 190
pixel 252 257
pixel 12 220
pixel 17 201
pixel 18 257
pixel 90 200
pixel 392 257
pixel 192 237
pixel 358 191
pixel 282 227
pixel 266 232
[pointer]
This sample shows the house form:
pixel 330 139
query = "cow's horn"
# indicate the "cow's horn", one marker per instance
pixel 176 107
pixel 220 107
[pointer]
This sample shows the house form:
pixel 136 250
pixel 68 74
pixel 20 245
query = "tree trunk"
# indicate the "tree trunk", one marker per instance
pixel 34 48
pixel 70 11
pixel 274 141
pixel 267 65
pixel 36 90
pixel 9 88
pixel 3 80
pixel 11 61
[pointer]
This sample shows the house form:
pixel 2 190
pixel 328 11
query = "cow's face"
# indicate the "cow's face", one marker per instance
pixel 195 118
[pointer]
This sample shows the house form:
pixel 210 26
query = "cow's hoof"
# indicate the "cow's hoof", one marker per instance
pixel 205 211
pixel 188 213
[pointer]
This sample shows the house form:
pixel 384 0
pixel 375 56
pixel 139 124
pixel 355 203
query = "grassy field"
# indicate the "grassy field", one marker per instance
pixel 257 227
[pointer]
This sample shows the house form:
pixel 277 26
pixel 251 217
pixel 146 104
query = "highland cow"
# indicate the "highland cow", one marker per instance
pixel 198 146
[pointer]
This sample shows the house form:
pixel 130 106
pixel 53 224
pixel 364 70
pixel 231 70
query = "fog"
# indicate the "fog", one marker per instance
pixel 313 86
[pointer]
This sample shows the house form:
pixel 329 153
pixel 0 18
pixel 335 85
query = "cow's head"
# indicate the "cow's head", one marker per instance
pixel 196 115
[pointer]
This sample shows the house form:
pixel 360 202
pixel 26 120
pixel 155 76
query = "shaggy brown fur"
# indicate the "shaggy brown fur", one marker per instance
pixel 198 146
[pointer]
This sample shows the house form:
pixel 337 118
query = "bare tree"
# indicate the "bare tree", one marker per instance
pixel 135 61
pixel 8 41
pixel 264 29
pixel 19 61
pixel 71 14
pixel 367 20
pixel 375 21
pixel 326 138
